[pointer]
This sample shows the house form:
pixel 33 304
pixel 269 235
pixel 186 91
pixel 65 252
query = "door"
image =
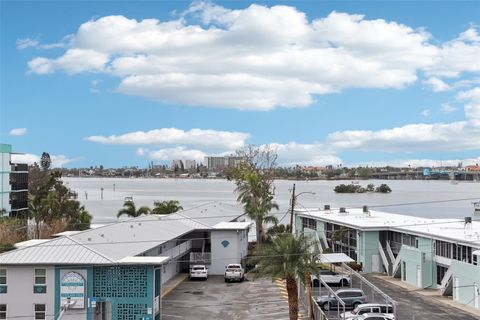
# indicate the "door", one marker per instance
pixel 375 263
pixel 103 311
pixel 404 271
pixel 419 277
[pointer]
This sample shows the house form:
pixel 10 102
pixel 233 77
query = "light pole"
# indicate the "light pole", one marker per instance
pixel 294 198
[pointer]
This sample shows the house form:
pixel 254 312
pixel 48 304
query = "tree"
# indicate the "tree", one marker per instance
pixel 254 178
pixel 166 207
pixel 254 193
pixel 45 161
pixel 288 257
pixel 130 210
pixel 383 188
pixel 275 230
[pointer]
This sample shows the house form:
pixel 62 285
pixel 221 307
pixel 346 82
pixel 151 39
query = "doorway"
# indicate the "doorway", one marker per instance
pixel 103 311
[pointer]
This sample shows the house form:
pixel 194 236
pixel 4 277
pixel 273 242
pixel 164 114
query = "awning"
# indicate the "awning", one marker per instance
pixel 476 253
pixel 334 258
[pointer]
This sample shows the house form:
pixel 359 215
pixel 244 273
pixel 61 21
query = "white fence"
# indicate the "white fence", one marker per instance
pixel 179 250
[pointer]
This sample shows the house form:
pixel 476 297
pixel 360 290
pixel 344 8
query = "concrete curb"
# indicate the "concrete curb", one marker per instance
pixel 176 284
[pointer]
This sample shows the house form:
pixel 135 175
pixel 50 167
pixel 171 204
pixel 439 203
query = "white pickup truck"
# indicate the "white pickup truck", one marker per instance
pixel 234 271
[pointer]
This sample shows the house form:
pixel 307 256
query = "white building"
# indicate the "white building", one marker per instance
pixel 117 271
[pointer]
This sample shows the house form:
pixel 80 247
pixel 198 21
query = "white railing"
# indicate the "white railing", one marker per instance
pixel 178 250
pixel 384 257
pixel 396 265
pixel 200 257
pixel 390 252
pixel 447 277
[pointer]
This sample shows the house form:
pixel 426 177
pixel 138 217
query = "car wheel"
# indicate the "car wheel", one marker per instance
pixel 344 282
pixel 326 306
pixel 243 278
pixel 356 304
pixel 226 280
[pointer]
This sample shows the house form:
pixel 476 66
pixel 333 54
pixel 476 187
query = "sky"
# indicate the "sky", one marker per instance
pixel 122 83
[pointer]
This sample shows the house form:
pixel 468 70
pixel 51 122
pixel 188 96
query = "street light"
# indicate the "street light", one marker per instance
pixel 294 198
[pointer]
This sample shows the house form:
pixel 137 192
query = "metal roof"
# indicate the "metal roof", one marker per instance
pixel 62 250
pixel 113 242
pixel 232 225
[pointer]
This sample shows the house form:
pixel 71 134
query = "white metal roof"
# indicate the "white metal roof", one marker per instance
pixel 448 229
pixel 232 225
pixel 62 250
pixel 144 260
pixel 334 258
pixel 65 233
pixel 114 242
pixel 29 243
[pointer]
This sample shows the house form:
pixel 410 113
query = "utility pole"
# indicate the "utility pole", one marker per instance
pixel 293 208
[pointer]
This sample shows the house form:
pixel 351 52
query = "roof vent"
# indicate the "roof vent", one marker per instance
pixel 326 207
pixel 468 221
pixel 366 211
pixel 343 210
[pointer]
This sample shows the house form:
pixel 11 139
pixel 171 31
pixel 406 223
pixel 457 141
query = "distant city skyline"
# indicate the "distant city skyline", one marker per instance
pixel 325 83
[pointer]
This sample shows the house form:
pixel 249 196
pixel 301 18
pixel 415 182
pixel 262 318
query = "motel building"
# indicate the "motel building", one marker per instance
pixel 442 254
pixel 117 271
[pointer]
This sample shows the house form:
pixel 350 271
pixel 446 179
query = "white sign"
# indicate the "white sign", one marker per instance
pixel 72 291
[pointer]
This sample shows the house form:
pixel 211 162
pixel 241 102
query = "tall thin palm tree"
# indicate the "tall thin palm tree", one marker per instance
pixel 288 257
pixel 130 210
pixel 166 207
pixel 254 193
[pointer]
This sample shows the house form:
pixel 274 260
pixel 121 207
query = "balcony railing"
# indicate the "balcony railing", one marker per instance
pixel 179 250
pixel 200 258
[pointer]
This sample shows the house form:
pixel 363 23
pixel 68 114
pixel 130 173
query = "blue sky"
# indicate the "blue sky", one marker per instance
pixel 351 82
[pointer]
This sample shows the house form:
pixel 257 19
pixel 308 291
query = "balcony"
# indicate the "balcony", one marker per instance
pixel 201 258
pixel 179 250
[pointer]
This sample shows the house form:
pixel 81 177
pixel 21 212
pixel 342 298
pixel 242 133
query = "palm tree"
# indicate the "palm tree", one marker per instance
pixel 290 258
pixel 130 210
pixel 166 207
pixel 254 194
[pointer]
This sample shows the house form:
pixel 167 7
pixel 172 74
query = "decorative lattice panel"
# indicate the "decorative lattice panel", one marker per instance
pixel 131 311
pixel 120 282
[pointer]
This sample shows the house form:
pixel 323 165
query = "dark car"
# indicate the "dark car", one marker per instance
pixel 351 297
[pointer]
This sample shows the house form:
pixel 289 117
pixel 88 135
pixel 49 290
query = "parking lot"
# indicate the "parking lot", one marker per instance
pixel 215 299
pixel 410 304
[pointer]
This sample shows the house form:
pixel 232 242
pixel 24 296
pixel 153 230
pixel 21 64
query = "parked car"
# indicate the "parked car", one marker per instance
pixel 331 278
pixel 234 271
pixel 198 271
pixel 369 308
pixel 375 316
pixel 351 297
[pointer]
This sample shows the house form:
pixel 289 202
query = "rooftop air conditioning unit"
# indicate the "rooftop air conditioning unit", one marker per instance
pixel 366 211
pixel 343 210
pixel 326 207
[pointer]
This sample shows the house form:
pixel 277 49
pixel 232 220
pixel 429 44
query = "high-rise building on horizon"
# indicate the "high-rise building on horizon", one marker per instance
pixel 13 184
pixel 220 163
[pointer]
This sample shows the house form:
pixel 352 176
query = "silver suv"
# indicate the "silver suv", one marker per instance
pixel 351 297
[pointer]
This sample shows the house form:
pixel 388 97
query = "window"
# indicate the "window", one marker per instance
pixel 309 223
pixel 3 311
pixel 40 277
pixel 3 277
pixel 40 312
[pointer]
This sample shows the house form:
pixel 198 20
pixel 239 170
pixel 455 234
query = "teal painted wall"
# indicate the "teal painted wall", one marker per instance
pixel 86 313
pixel 5 148
pixel 468 276
pixel 414 258
pixel 367 246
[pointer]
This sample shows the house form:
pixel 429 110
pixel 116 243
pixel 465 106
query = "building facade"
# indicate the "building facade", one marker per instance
pixel 220 163
pixel 441 254
pixel 13 184
pixel 116 272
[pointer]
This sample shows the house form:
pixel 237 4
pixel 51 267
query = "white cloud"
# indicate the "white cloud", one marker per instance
pixel 426 113
pixel 25 158
pixel 436 84
pixel 26 43
pixel 58 161
pixel 403 163
pixel 18 132
pixel 293 153
pixel 447 108
pixel 229 140
pixel 459 135
pixel 177 153
pixel 258 58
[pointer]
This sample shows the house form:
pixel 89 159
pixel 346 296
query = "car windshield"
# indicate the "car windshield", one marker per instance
pixel 198 268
